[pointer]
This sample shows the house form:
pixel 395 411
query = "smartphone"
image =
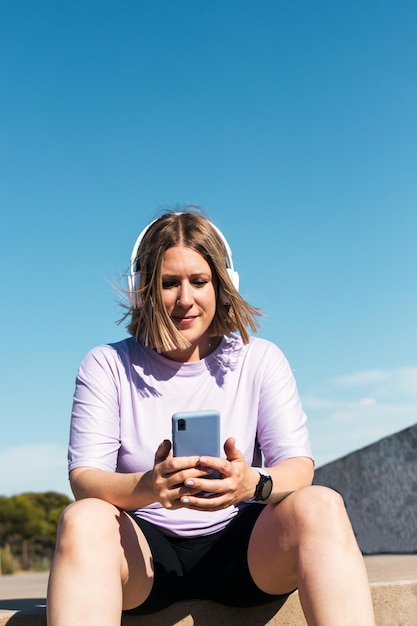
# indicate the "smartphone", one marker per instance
pixel 196 433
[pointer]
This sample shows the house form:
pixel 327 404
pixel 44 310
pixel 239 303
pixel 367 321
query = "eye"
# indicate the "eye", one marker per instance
pixel 200 282
pixel 169 284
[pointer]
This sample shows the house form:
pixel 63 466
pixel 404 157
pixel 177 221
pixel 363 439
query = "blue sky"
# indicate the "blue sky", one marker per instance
pixel 293 124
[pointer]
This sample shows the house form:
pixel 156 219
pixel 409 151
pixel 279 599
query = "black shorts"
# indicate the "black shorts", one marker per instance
pixel 211 567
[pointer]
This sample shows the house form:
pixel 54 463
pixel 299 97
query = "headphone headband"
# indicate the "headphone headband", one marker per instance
pixel 133 279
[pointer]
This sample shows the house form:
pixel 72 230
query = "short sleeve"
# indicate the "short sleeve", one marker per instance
pixel 95 417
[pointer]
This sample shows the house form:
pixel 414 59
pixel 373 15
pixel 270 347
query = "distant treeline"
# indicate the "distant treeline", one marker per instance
pixel 28 525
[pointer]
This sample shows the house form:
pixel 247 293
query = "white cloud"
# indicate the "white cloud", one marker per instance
pixel 311 402
pixel 381 382
pixel 34 467
pixel 350 412
pixel 360 379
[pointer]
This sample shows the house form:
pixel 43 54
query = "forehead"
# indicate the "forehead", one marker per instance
pixel 183 259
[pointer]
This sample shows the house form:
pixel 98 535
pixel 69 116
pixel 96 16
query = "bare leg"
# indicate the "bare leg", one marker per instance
pixel 102 564
pixel 307 541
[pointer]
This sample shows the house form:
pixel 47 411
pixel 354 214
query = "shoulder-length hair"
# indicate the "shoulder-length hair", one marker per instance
pixel 151 322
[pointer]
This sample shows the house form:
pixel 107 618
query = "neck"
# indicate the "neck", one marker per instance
pixel 194 353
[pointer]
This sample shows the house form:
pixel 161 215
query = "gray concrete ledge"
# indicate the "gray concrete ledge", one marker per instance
pixel 393 581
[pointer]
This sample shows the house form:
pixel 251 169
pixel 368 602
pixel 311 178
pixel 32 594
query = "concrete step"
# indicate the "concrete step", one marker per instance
pixel 393 582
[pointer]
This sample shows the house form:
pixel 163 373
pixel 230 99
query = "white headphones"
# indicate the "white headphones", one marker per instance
pixel 133 279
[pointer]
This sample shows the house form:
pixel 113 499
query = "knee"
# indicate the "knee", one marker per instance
pixel 321 510
pixel 86 521
pixel 324 499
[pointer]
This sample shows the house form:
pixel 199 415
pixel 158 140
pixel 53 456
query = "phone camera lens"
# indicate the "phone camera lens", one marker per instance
pixel 181 424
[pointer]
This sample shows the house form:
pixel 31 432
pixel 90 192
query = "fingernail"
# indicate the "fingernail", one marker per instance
pixel 185 501
pixel 189 483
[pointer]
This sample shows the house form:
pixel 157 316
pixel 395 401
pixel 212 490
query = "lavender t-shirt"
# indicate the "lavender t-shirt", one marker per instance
pixel 126 393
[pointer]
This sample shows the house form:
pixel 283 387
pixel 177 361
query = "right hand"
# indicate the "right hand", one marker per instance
pixel 169 473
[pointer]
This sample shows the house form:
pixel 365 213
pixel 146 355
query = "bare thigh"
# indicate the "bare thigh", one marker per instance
pixel 285 534
pixel 102 543
pixel 137 567
pixel 271 553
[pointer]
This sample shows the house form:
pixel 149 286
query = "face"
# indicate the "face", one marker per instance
pixel 190 298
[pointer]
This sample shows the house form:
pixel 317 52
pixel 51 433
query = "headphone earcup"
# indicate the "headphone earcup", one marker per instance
pixel 133 286
pixel 234 277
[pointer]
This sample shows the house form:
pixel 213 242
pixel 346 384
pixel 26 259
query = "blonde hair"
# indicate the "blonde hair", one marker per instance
pixel 151 322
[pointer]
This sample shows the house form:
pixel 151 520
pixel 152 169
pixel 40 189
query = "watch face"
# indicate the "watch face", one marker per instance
pixel 266 488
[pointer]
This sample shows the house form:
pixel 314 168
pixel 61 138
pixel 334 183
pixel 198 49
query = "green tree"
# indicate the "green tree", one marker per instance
pixel 28 525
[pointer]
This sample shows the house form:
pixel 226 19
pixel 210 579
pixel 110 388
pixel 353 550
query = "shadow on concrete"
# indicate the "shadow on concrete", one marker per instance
pixel 32 612
pixel 29 611
pixel 25 605
pixel 207 613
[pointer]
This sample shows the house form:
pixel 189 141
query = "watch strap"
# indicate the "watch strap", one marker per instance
pixel 264 478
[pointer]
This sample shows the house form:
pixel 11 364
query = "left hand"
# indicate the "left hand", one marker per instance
pixel 238 482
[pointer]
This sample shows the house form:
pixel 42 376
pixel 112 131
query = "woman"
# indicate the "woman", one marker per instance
pixel 142 532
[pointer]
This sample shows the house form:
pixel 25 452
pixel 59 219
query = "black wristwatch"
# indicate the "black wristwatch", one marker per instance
pixel 263 488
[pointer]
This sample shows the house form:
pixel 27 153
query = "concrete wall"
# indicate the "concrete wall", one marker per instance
pixel 379 486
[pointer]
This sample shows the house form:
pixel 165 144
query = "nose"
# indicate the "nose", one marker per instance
pixel 185 296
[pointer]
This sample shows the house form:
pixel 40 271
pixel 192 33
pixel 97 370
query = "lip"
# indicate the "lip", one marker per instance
pixel 184 320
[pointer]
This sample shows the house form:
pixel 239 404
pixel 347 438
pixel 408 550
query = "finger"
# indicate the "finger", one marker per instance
pixel 232 453
pixel 203 488
pixel 163 451
pixel 204 502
